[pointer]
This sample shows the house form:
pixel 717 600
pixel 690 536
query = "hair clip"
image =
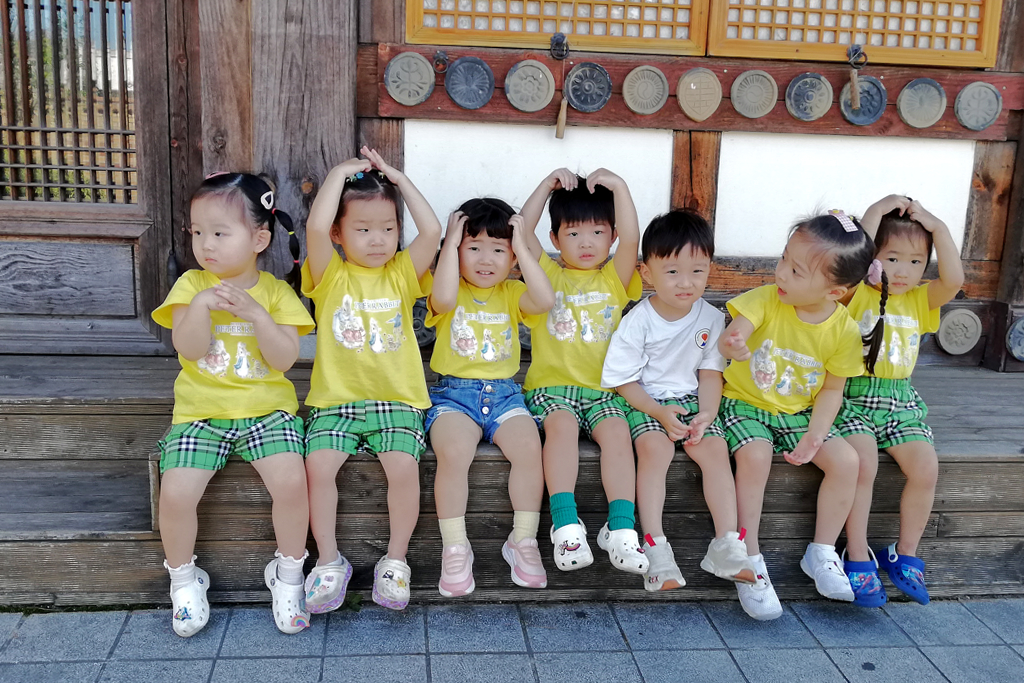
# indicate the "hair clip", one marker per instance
pixel 355 177
pixel 844 220
pixel 382 174
pixel 874 272
pixel 267 200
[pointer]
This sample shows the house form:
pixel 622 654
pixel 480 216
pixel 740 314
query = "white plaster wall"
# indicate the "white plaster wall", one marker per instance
pixel 451 162
pixel 767 181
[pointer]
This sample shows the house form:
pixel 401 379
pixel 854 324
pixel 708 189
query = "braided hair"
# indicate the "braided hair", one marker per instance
pixel 259 201
pixel 873 340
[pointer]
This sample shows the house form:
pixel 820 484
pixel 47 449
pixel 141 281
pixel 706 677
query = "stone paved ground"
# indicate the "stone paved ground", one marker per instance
pixel 969 640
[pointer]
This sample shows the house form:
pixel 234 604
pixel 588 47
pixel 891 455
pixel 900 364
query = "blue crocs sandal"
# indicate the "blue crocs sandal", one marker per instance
pixel 868 590
pixel 906 573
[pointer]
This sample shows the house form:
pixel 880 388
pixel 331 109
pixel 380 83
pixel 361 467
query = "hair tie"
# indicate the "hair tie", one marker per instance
pixel 875 272
pixel 267 200
pixel 354 177
pixel 296 261
pixel 844 220
pixel 291 232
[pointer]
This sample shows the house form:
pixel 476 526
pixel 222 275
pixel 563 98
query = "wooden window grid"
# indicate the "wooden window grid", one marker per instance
pixel 67 123
pixel 955 33
pixel 653 26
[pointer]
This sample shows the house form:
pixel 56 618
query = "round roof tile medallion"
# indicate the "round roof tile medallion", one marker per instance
pixel 469 82
pixel 921 103
pixel 978 105
pixel 409 78
pixel 754 93
pixel 588 87
pixel 809 97
pixel 959 331
pixel 645 90
pixel 1015 339
pixel 699 92
pixel 529 85
pixel 872 101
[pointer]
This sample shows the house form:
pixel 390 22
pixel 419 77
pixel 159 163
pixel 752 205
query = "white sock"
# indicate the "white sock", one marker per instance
pixel 524 525
pixel 336 562
pixel 289 569
pixel 453 531
pixel 181 576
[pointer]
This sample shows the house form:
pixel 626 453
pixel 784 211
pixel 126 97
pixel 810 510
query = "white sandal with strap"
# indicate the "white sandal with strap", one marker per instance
pixel 623 547
pixel 571 548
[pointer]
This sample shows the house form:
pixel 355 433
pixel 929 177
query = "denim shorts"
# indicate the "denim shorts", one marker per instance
pixel 489 402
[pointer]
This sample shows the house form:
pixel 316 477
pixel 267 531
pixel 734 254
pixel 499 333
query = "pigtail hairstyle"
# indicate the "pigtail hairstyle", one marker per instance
pixel 873 340
pixel 368 186
pixel 488 215
pixel 841 238
pixel 258 198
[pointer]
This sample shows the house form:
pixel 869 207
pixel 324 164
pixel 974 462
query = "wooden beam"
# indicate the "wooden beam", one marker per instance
pixel 989 200
pixel 705 150
pixel 1010 54
pixel 1011 275
pixel 681 187
pixel 382 21
pixel 225 49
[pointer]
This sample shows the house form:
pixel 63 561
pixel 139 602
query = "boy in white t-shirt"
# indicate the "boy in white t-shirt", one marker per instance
pixel 656 357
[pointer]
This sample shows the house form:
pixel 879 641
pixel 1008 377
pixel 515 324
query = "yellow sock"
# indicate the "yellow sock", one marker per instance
pixel 524 525
pixel 453 531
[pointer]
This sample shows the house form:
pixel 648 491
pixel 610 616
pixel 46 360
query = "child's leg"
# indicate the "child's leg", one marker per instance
pixel 181 488
pixel 403 475
pixel 561 454
pixel 712 455
pixel 285 478
pixel 519 441
pixel 753 465
pixel 618 469
pixel 321 479
pixel 857 524
pixel 920 464
pixel 654 453
pixel 840 463
pixel 455 437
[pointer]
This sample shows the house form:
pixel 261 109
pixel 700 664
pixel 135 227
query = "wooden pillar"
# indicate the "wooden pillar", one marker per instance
pixel 225 46
pixel 695 158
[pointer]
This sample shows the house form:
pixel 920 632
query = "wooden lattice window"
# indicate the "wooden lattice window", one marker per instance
pixel 654 26
pixel 67 124
pixel 940 32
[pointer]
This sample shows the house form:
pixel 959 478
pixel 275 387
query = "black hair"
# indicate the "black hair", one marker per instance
pixel 851 251
pixel 893 224
pixel 873 339
pixel 488 215
pixel 258 198
pixel 368 186
pixel 670 233
pixel 570 207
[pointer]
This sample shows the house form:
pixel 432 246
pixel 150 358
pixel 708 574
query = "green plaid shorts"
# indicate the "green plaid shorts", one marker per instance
pixel 369 427
pixel 207 444
pixel 641 423
pixel 590 406
pixel 890 410
pixel 744 423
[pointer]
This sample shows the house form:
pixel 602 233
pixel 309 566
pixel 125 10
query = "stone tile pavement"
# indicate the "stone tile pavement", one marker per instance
pixel 960 641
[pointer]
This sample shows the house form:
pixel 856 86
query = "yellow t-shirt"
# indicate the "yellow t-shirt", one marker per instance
pixel 233 381
pixel 907 318
pixel 570 342
pixel 366 347
pixel 791 356
pixel 479 338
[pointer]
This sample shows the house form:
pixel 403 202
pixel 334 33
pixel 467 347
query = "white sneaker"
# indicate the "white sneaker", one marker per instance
pixel 623 548
pixel 571 548
pixel 822 563
pixel 759 599
pixel 289 602
pixel 727 559
pixel 662 571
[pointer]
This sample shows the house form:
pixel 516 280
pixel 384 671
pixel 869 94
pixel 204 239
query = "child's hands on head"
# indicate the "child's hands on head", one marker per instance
pixel 352 166
pixel 734 346
pixel 392 173
pixel 456 229
pixel 890 203
pixel 605 178
pixel 519 246
pixel 237 302
pixel 562 179
pixel 927 220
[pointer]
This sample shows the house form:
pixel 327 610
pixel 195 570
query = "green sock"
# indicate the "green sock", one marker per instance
pixel 563 509
pixel 620 515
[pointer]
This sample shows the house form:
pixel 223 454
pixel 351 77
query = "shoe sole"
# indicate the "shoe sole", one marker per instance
pixel 509 556
pixel 619 564
pixel 457 593
pixel 762 617
pixel 335 602
pixel 745 576
pixel 670 584
pixel 396 605
pixel 844 596
pixel 206 586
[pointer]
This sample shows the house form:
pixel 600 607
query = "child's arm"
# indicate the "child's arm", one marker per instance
pixel 445 292
pixel 709 397
pixel 873 216
pixel 319 247
pixel 279 344
pixel 424 247
pixel 627 226
pixel 534 206
pixel 733 342
pixel 637 397
pixel 826 406
pixel 190 327
pixel 539 297
pixel 951 270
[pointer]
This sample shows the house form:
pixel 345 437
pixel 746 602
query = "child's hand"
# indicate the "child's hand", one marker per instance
pixel 237 302
pixel 893 201
pixel 519 245
pixel 392 173
pixel 667 417
pixel 207 298
pixel 562 178
pixel 805 450
pixel 735 347
pixel 456 228
pixel 700 422
pixel 351 167
pixel 921 215
pixel 604 177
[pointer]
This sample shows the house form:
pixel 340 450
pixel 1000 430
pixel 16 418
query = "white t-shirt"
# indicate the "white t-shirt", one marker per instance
pixel 664 356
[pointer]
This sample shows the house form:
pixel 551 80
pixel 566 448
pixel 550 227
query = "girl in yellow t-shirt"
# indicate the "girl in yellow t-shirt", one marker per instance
pixel 477 311
pixel 792 346
pixel 367 392
pixel 236 330
pixel 893 316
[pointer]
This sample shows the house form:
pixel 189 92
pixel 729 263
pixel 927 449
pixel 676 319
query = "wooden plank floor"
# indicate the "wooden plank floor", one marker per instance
pixel 77 434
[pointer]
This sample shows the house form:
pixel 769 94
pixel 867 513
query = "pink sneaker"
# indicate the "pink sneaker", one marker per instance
pixel 524 558
pixel 456 571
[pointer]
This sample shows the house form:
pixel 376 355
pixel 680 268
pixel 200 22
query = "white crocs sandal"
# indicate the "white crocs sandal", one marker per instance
pixel 326 585
pixel 391 583
pixel 623 547
pixel 571 548
pixel 190 607
pixel 289 606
